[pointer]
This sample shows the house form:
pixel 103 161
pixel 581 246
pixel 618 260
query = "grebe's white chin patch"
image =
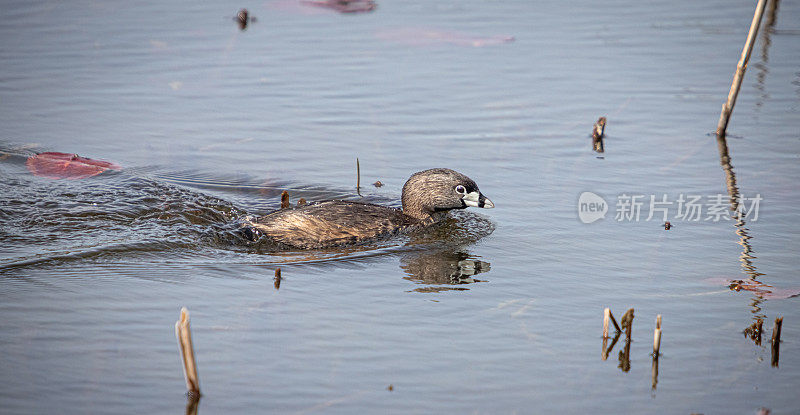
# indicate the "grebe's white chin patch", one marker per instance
pixel 476 199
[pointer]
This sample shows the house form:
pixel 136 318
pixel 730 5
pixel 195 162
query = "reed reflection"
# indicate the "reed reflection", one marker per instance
pixel 771 14
pixel 746 257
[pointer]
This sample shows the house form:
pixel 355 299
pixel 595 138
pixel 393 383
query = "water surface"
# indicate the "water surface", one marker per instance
pixel 494 312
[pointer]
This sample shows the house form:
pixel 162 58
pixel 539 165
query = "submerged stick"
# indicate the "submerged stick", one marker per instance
pixel 184 335
pixel 654 374
pixel 727 108
pixel 625 356
pixel 776 341
pixel 657 337
pixel 605 353
pixel 760 325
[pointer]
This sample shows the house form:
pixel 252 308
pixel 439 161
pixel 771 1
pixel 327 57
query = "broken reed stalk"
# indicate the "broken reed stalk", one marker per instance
pixel 184 335
pixel 277 278
pixel 285 200
pixel 358 177
pixel 776 330
pixel 760 325
pixel 657 337
pixel 727 108
pixel 597 134
pixel 627 323
pixel 614 321
pixel 776 341
pixel 606 314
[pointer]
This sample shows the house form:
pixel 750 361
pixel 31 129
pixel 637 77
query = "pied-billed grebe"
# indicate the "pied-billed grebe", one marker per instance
pixel 427 197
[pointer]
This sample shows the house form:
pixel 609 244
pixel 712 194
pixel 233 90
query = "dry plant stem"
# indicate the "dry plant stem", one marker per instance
pixel 776 341
pixel 727 108
pixel 184 336
pixel 358 177
pixel 614 321
pixel 606 314
pixel 627 323
pixel 657 337
pixel 599 128
pixel 285 200
pixel 776 330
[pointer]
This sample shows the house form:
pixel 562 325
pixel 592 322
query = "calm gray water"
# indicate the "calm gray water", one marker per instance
pixel 211 123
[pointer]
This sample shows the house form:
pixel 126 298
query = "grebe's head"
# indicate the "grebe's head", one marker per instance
pixel 439 190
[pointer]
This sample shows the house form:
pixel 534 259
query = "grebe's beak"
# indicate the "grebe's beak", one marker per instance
pixel 476 199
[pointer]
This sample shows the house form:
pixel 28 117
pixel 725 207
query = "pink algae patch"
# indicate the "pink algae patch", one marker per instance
pixel 66 166
pixel 431 37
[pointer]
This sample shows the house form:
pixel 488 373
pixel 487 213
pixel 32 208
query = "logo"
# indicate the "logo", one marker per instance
pixel 591 207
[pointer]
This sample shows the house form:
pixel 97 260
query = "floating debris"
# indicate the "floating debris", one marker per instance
pixel 667 225
pixel 301 202
pixel 243 18
pixel 762 290
pixel 277 278
pixel 754 331
pixel 390 388
pixel 377 184
pixel 67 166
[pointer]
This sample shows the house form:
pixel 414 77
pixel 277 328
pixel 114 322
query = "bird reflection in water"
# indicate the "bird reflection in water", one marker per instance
pixel 442 270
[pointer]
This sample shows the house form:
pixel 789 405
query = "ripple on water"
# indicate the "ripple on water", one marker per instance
pixel 120 220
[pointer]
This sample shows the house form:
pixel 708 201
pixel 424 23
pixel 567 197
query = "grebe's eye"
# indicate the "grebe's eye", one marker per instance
pixel 461 189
